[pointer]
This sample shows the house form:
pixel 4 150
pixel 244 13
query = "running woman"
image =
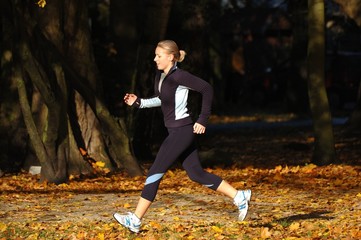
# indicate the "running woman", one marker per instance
pixel 171 93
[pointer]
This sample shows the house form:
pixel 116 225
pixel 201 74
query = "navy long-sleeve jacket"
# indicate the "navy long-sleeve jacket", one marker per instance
pixel 171 94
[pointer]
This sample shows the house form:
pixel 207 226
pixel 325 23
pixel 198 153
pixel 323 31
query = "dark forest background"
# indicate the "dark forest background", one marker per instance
pixel 66 66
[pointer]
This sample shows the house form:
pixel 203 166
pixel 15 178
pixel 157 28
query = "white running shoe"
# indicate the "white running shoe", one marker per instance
pixel 129 221
pixel 241 200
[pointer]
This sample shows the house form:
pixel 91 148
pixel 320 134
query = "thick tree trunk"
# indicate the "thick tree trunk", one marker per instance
pixel 80 56
pixel 51 147
pixel 324 150
pixel 53 63
pixel 77 52
pixel 55 27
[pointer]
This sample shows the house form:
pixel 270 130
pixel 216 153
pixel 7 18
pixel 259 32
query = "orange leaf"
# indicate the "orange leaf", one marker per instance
pixel 265 233
pixel 126 205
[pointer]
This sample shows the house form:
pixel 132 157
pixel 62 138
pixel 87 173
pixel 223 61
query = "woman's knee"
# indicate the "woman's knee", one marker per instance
pixel 196 176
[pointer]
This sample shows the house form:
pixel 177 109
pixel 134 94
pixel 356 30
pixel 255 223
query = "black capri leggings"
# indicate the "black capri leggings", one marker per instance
pixel 179 144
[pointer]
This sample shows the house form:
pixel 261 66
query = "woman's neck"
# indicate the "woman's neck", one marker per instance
pixel 167 69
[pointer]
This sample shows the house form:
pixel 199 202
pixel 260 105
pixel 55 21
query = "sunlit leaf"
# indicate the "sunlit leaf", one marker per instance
pixel 41 3
pixel 3 227
pixel 100 164
pixel 217 229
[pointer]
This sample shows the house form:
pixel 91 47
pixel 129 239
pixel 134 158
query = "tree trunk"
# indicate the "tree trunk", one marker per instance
pixel 48 147
pixel 78 54
pixel 61 104
pixel 66 41
pixel 324 150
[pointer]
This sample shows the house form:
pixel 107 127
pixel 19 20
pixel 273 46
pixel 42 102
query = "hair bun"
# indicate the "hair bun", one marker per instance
pixel 182 55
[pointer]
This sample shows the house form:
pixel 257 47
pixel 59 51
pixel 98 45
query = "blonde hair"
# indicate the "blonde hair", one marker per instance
pixel 172 48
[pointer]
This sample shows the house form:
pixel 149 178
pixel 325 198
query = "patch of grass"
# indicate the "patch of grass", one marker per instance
pixel 284 222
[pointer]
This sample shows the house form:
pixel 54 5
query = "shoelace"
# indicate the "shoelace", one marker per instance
pixel 130 221
pixel 242 206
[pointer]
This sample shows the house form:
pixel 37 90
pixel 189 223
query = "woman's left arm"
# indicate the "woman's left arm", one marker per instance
pixel 206 90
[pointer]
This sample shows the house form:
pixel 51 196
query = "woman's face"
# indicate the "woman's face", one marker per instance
pixel 163 60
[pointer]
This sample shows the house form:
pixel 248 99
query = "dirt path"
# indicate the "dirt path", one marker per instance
pixel 101 206
pixel 280 204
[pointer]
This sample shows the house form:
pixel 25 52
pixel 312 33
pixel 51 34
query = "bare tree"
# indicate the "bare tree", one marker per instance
pixel 324 150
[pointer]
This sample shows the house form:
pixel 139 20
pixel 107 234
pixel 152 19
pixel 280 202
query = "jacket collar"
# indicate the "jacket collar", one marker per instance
pixel 170 70
pixel 157 77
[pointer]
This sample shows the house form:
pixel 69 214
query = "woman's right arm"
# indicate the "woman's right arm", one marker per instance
pixel 132 100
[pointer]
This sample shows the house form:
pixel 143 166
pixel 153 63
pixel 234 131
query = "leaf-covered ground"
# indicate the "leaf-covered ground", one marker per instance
pixel 292 198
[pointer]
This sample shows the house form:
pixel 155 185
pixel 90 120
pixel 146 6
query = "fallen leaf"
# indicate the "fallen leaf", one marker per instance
pixel 265 233
pixel 217 229
pixel 294 226
pixel 101 236
pixel 3 227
